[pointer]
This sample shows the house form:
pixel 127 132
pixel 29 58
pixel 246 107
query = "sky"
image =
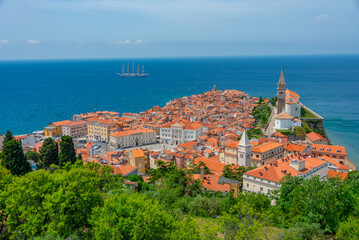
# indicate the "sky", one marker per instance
pixel 61 29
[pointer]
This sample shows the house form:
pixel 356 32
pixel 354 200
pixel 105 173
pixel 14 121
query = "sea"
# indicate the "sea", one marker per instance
pixel 36 93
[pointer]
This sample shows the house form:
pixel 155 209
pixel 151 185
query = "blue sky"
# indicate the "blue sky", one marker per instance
pixel 51 29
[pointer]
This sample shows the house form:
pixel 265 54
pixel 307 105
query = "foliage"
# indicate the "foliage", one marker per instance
pixel 261 114
pixel 131 216
pixel 13 158
pixel 49 153
pixel 312 201
pixel 299 131
pixel 254 133
pixel 286 132
pixel 306 113
pixel 273 101
pixel 32 155
pixel 349 229
pixel 8 137
pixel 242 222
pixel 197 169
pixel 60 202
pixel 67 151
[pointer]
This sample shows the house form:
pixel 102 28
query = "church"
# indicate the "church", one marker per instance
pixel 288 107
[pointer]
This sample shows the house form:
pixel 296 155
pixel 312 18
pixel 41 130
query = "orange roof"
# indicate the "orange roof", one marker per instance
pixel 265 147
pixel 210 182
pixel 233 144
pixel 212 163
pixel 284 115
pixel 341 175
pixel 74 123
pixel 328 149
pixel 101 121
pixel 60 123
pixel 188 145
pixel 123 169
pixel 276 170
pixel 313 136
pixel 294 147
pixel 138 153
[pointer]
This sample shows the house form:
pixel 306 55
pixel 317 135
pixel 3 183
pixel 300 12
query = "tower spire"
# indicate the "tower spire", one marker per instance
pixel 281 78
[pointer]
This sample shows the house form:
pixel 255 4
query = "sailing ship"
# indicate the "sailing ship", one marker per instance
pixel 133 73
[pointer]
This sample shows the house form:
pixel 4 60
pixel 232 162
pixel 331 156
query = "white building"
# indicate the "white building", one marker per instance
pixel 180 132
pixel 132 138
pixel 244 151
pixel 292 105
pixel 75 129
pixel 266 178
pixel 286 121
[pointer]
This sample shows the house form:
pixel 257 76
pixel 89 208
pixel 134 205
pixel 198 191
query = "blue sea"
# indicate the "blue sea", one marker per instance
pixel 35 93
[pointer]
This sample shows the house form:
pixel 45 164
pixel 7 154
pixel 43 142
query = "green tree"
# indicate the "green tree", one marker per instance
pixel 32 155
pixel 349 229
pixel 49 153
pixel 132 216
pixel 67 151
pixel 60 202
pixel 13 158
pixel 197 169
pixel 79 157
pixel 8 137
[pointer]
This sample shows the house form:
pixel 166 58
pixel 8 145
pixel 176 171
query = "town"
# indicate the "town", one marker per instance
pixel 216 130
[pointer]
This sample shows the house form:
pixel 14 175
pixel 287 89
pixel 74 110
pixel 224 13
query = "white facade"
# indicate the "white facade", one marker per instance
pixel 132 138
pixel 75 129
pixel 262 184
pixel 244 151
pixel 180 133
pixel 286 121
pixel 293 109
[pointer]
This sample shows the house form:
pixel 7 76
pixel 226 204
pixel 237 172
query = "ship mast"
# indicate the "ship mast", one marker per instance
pixel 143 69
pixel 133 67
pixel 128 68
pixel 123 68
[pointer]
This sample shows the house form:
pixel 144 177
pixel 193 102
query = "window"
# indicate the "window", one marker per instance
pixel 247 184
pixel 261 189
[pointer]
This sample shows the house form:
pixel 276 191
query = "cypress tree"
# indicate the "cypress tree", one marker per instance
pixel 8 137
pixel 49 153
pixel 13 158
pixel 67 151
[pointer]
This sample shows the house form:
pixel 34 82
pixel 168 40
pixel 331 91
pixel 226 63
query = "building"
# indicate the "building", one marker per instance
pixel 99 129
pixel 139 158
pixel 267 178
pixel 281 93
pixel 268 151
pixel 244 151
pixel 292 104
pixel 316 138
pixel 55 128
pixel 1 141
pixel 286 121
pixel 75 129
pixel 180 132
pixel 132 138
pixel 336 152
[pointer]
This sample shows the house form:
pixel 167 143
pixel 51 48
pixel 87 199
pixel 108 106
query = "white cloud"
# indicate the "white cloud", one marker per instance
pixel 3 42
pixel 123 42
pixel 132 42
pixel 33 42
pixel 321 16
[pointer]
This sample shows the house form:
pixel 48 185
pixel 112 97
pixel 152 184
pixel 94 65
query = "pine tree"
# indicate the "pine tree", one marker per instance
pixel 13 158
pixel 49 153
pixel 67 151
pixel 8 137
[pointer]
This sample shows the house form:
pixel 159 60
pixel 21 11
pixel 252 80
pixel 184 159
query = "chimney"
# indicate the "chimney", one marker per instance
pixel 202 172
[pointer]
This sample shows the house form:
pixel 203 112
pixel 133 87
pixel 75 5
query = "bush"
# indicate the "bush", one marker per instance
pixel 205 207
pixel 349 229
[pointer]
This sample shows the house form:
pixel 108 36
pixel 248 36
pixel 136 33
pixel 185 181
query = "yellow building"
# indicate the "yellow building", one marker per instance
pixel 139 158
pixel 99 129
pixel 55 128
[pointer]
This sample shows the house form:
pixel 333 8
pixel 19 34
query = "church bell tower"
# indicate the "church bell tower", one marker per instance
pixel 244 151
pixel 281 93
